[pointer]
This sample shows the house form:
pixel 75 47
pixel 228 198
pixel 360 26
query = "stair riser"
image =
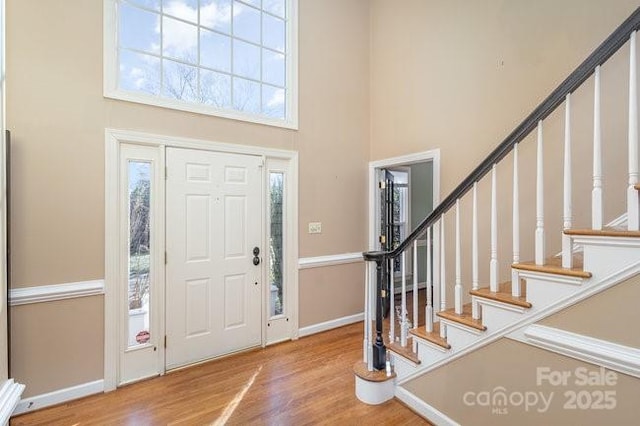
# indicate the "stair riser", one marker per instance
pixel 495 318
pixel 460 338
pixel 428 354
pixel 402 367
pixel 605 256
pixel 543 292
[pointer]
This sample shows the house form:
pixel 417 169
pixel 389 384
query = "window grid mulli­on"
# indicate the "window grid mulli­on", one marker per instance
pixel 222 53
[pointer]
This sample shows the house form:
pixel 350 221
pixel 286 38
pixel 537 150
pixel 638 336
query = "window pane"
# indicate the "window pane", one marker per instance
pixel 138 29
pixel 215 89
pixel 183 9
pixel 255 3
pixel 273 101
pixel 150 4
pixel 246 59
pixel 180 81
pixel 273 68
pixel 139 251
pixel 180 40
pixel 139 73
pixel 274 6
pixel 215 50
pixel 246 95
pixel 276 192
pixel 216 14
pixel 246 22
pixel 273 32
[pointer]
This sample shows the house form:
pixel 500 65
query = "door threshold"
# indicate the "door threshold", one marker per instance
pixel 215 358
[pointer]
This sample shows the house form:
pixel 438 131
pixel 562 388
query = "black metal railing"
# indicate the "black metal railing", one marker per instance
pixel 610 46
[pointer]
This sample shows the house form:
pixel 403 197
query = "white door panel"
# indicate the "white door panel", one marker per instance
pixel 214 221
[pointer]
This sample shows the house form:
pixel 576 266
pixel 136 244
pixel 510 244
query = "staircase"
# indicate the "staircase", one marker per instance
pixel 591 260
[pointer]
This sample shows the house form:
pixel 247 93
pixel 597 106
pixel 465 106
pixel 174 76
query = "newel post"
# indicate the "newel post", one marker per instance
pixel 379 351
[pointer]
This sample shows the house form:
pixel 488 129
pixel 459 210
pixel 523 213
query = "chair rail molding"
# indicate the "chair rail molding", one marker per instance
pixel 53 292
pixel 329 260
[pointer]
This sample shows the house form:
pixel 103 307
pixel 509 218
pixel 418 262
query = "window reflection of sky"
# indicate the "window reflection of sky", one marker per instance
pixel 199 33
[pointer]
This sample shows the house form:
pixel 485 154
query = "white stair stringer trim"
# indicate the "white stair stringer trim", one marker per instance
pixel 425 410
pixel 9 397
pixel 59 396
pixel 531 317
pixel 620 358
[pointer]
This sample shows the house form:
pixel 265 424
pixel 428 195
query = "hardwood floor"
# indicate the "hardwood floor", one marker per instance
pixel 309 381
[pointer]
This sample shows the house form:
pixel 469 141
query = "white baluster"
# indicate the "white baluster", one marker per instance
pixel 539 240
pixel 515 276
pixel 633 210
pixel 567 247
pixel 429 308
pixel 443 285
pixel 367 318
pixel 474 240
pixel 458 287
pixel 415 284
pixel 493 264
pixel 403 308
pixel 475 311
pixel 392 311
pixel 596 193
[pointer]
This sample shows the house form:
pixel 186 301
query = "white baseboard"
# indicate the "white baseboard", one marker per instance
pixel 328 325
pixel 57 397
pixel 623 359
pixel 425 410
pixel 50 293
pixel 9 396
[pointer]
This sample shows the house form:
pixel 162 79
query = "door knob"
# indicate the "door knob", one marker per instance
pixel 256 260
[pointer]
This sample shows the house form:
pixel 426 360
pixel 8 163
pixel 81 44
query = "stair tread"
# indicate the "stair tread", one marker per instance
pixel 504 294
pixel 553 265
pixel 465 318
pixel 433 337
pixel 406 352
pixel 607 231
pixel 360 369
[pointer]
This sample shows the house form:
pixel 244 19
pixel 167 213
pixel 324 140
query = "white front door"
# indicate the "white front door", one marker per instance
pixel 214 224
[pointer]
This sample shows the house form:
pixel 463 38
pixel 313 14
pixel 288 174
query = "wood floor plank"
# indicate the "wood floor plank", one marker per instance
pixel 309 381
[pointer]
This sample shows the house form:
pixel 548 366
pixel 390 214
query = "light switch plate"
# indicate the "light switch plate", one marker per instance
pixel 315 227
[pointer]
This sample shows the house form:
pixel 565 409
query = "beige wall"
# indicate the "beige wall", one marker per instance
pixel 57 116
pixel 607 316
pixel 329 293
pixel 57 344
pixel 514 366
pixel 460 75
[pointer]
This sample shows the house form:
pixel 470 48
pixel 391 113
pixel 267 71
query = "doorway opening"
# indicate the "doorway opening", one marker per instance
pixel 403 191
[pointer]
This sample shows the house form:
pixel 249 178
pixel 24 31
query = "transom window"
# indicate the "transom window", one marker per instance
pixel 223 57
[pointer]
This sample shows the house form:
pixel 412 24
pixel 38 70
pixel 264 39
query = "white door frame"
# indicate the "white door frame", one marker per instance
pixel 374 203
pixel 113 139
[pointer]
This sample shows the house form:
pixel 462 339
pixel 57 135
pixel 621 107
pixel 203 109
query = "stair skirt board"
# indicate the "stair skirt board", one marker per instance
pixel 59 396
pixel 425 410
pixel 570 295
pixel 620 358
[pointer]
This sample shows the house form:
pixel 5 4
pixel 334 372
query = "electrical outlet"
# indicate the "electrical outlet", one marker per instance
pixel 315 227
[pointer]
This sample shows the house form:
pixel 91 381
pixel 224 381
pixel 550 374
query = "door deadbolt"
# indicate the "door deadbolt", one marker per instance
pixel 256 251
